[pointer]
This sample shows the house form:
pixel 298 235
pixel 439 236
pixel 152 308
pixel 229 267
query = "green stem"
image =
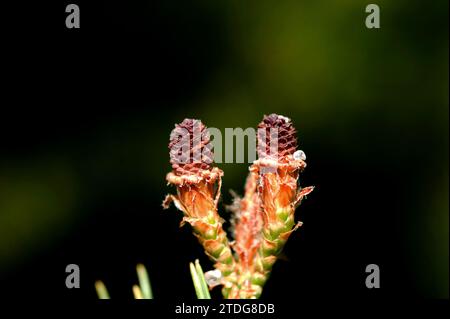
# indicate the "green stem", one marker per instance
pixel 102 292
pixel 144 282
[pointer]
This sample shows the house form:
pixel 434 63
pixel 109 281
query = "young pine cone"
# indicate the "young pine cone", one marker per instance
pixel 277 137
pixel 198 190
pixel 278 167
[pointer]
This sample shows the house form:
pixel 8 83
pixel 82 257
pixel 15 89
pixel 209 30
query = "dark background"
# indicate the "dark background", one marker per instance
pixel 86 115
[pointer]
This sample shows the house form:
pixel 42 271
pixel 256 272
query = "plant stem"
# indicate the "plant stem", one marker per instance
pixel 102 292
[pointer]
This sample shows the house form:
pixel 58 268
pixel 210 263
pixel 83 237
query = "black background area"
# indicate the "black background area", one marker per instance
pixel 62 85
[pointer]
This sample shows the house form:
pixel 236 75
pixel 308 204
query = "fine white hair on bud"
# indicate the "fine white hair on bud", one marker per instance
pixel 300 155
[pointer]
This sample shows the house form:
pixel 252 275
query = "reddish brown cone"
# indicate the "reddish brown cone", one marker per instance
pixel 278 191
pixel 277 137
pixel 198 191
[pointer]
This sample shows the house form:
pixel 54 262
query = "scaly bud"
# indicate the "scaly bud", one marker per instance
pixel 278 191
pixel 198 190
pixel 277 137
pixel 190 148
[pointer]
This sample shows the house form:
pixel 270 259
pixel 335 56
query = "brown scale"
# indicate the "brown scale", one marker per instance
pixel 184 162
pixel 287 137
